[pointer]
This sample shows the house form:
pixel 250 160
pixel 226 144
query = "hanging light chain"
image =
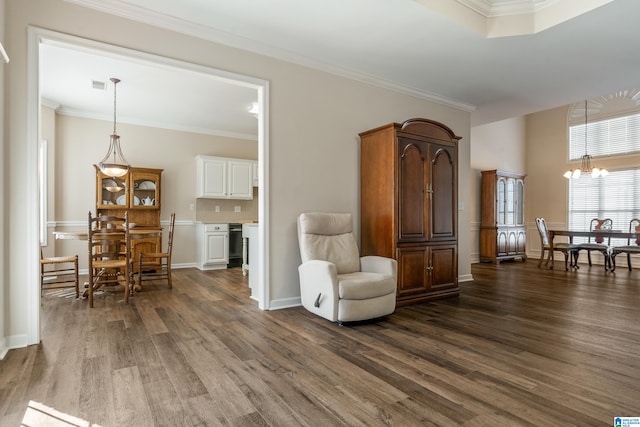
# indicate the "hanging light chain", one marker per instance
pixel 115 85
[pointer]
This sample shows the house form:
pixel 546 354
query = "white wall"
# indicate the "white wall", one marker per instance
pixel 315 119
pixel 500 145
pixel 76 143
pixel 4 276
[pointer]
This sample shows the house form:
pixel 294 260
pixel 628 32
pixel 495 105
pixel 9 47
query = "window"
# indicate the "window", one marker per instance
pixel 617 197
pixel 614 130
pixel 617 135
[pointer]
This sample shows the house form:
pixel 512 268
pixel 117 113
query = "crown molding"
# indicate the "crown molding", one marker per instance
pixel 157 124
pixel 508 18
pixel 150 17
pixel 492 9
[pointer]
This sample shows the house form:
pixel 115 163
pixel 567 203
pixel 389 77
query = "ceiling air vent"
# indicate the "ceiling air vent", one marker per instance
pixel 99 85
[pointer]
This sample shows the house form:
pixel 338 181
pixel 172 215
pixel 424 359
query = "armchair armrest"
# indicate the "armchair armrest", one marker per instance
pixel 319 288
pixel 378 264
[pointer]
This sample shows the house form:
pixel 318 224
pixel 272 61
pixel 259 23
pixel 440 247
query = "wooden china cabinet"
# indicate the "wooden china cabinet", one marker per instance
pixel 409 204
pixel 138 193
pixel 502 230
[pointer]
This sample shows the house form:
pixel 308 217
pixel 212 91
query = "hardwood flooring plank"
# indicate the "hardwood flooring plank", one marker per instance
pixel 221 389
pixel 96 392
pixel 130 404
pixel 184 379
pixel 165 403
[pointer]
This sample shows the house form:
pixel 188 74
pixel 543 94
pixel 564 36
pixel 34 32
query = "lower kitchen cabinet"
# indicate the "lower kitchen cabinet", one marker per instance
pixel 213 246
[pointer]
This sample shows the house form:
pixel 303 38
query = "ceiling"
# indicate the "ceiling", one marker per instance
pixel 495 58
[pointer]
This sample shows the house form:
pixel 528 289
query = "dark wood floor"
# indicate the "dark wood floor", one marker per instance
pixel 520 346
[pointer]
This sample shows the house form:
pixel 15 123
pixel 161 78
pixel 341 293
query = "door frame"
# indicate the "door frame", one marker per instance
pixel 38 36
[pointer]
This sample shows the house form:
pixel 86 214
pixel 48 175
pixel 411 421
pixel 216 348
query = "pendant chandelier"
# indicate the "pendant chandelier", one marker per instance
pixel 585 167
pixel 114 164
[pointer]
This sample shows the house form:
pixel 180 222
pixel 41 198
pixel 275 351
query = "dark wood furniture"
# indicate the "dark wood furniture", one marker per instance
pixel 569 250
pixel 409 203
pixel 138 193
pixel 598 241
pixel 614 234
pixel 634 234
pixel 502 231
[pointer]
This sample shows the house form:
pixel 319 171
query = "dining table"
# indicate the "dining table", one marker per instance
pixel 134 233
pixel 605 234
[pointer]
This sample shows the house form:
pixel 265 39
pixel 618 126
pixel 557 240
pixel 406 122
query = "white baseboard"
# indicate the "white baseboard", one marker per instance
pixel 280 304
pixel 3 348
pixel 15 341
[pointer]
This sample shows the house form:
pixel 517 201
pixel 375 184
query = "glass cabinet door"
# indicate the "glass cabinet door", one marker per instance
pixel 145 192
pixel 111 191
pixel 502 188
pixel 520 202
pixel 511 208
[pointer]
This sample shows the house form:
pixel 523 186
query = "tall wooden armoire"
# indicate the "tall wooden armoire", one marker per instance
pixel 409 205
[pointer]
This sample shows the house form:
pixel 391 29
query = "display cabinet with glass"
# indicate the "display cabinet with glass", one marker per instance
pixel 139 194
pixel 502 229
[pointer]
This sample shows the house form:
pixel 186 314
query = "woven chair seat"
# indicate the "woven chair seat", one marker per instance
pixel 58 259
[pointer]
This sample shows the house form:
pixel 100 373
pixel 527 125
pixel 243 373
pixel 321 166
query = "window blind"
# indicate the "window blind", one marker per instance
pixel 618 135
pixel 617 197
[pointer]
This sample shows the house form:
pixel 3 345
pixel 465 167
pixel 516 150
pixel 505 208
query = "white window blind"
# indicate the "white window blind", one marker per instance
pixel 618 135
pixel 617 197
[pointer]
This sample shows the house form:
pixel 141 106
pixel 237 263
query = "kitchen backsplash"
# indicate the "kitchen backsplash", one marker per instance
pixel 206 210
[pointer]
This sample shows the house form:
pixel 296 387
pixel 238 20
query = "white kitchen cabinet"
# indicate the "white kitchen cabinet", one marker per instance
pixel 213 246
pixel 256 177
pixel 240 180
pixel 224 178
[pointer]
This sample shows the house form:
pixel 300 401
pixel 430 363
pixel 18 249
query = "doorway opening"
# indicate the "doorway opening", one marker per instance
pixel 39 37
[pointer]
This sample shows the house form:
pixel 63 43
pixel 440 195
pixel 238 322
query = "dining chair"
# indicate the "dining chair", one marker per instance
pixel 59 272
pixel 629 248
pixel 569 250
pixel 157 265
pixel 597 244
pixel 109 253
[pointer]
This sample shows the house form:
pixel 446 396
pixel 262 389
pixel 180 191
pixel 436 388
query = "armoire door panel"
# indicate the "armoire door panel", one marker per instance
pixel 444 267
pixel 442 187
pixel 412 269
pixel 411 190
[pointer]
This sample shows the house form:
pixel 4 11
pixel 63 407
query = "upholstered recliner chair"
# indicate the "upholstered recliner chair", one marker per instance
pixel 335 282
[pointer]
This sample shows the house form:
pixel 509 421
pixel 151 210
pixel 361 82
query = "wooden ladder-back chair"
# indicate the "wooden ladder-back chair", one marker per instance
pixel 59 272
pixel 598 242
pixel 629 248
pixel 153 266
pixel 568 249
pixel 109 252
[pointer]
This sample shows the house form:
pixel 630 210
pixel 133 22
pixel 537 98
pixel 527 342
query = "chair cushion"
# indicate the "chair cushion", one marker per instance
pixel 593 246
pixel 634 249
pixel 563 246
pixel 328 237
pixel 327 224
pixel 364 285
pixel 340 250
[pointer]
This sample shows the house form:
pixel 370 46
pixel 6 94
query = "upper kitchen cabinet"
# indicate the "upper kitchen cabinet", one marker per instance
pixel 256 175
pixel 224 178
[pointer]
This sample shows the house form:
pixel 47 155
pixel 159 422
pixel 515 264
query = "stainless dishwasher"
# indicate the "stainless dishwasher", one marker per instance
pixel 235 245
